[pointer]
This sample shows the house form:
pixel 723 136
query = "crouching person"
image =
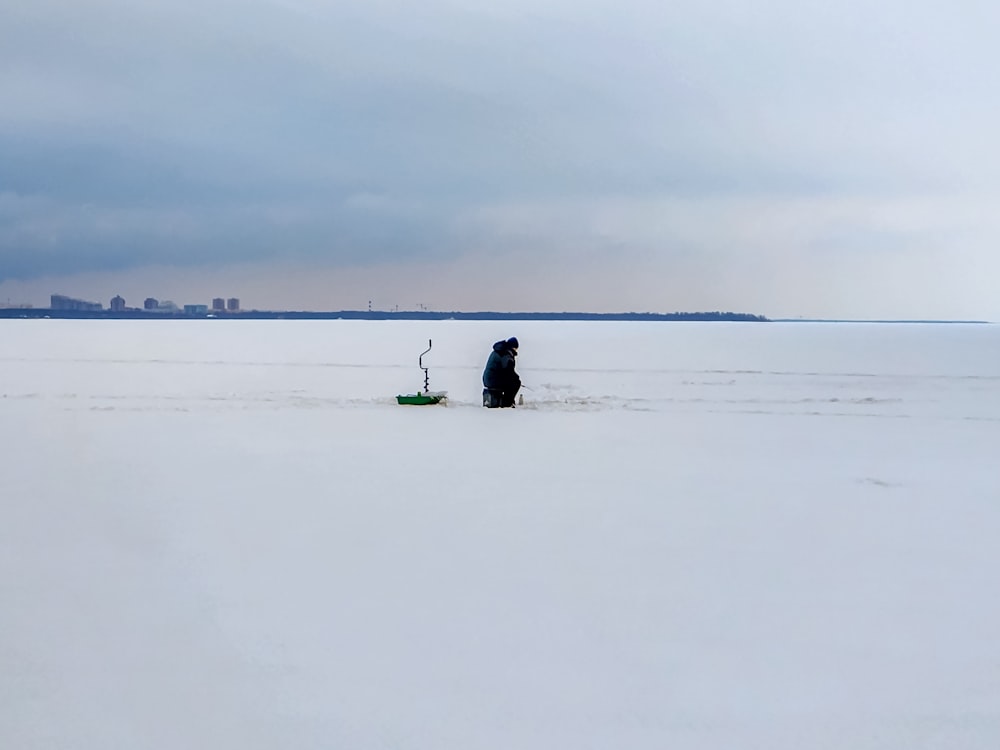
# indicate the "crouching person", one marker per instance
pixel 500 380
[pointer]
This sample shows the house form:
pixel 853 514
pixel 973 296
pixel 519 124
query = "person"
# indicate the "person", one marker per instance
pixel 500 379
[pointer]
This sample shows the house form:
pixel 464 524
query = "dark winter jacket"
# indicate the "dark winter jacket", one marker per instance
pixel 499 373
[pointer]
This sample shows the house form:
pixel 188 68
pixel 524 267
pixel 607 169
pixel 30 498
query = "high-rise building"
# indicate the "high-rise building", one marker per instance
pixel 233 304
pixel 218 304
pixel 117 303
pixel 62 302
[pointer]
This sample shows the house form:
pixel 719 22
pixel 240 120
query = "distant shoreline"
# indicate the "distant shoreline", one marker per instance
pixel 371 315
pixel 42 312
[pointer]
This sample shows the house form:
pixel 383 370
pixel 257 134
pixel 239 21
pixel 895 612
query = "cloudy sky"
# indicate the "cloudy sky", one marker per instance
pixel 784 158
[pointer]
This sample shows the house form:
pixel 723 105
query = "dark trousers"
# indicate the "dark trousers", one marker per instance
pixel 509 393
pixel 501 397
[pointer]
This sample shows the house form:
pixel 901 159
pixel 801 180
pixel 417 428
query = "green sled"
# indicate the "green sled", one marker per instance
pixel 422 399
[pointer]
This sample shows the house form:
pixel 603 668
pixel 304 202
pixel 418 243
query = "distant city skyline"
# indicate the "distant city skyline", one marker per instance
pixel 62 302
pixel 64 306
pixel 791 158
pixel 149 304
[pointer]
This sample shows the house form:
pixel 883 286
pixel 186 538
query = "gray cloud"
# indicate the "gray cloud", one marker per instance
pixel 187 134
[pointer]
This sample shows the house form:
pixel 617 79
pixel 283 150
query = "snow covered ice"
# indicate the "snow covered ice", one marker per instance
pixel 227 535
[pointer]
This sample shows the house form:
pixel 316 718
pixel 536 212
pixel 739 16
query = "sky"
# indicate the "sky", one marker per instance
pixel 721 536
pixel 785 159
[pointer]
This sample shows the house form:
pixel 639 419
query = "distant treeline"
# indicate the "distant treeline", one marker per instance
pixel 369 315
